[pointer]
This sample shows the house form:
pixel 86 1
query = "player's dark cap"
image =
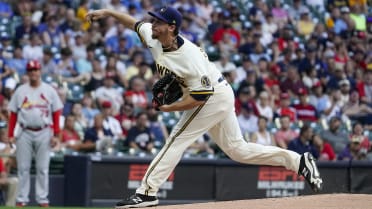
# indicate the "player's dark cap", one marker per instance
pixel 169 15
pixel 33 65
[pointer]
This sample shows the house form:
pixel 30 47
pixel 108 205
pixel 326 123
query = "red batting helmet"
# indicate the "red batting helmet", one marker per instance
pixel 33 64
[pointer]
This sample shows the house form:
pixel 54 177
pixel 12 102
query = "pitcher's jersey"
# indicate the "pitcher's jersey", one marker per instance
pixel 189 62
pixel 34 106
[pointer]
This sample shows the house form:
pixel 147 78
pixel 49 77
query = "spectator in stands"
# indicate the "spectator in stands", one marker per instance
pixel 357 131
pixel 310 64
pixel 69 136
pixel 65 65
pixel 247 120
pixel 89 108
pixel 305 25
pixel 305 111
pixel 53 36
pixel 353 151
pixel 296 10
pixel 25 30
pixel 48 66
pixel 139 136
pixel 94 80
pixel 17 63
pixel 34 49
pixel 69 21
pixel 345 88
pixel 133 68
pixel 6 10
pixel 292 82
pixel 334 135
pixel 245 95
pixel 200 147
pixel 285 108
pixel 9 185
pixel 226 30
pixel 262 135
pixel 285 134
pixel 264 107
pixel 80 122
pixel 365 87
pixel 136 94
pixel 119 67
pixel 279 13
pixel 95 138
pixel 333 105
pixel 108 92
pixel 126 117
pixel 157 127
pixel 304 142
pixel 109 122
pixel 326 152
pixel 355 110
pixel 252 79
pixel 318 98
pixel 224 64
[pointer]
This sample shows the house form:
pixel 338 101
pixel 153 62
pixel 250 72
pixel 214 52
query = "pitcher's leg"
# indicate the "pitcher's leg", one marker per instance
pixel 42 159
pixel 183 135
pixel 23 158
pixel 228 137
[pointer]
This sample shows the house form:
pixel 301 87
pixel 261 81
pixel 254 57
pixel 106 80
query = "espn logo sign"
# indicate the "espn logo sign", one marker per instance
pixel 279 182
pixel 138 171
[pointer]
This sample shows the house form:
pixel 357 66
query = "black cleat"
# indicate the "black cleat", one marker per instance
pixel 309 170
pixel 137 201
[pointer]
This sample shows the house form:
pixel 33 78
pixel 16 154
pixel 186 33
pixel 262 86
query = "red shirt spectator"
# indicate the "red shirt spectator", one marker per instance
pixel 304 110
pixel 285 108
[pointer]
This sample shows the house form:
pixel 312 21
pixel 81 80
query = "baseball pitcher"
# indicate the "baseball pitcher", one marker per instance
pixel 208 105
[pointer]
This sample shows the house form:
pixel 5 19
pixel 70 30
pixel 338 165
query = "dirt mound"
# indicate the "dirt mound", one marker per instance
pixel 322 201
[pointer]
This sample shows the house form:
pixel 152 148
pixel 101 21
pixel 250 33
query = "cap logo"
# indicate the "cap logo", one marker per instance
pixel 162 10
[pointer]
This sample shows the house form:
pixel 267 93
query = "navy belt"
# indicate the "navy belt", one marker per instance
pixel 220 79
pixel 33 128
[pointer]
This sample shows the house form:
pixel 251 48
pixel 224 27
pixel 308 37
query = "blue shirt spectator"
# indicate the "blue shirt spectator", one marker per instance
pixel 303 144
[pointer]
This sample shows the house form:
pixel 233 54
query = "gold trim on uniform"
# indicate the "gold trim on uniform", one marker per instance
pixel 137 27
pixel 170 143
pixel 202 92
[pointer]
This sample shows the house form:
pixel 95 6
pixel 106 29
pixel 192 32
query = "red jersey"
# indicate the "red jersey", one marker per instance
pixel 289 111
pixel 306 112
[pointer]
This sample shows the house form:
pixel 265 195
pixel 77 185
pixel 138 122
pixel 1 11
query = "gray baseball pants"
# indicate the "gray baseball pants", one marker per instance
pixel 33 144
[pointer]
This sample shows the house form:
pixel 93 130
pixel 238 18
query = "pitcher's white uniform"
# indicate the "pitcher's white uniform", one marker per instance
pixel 217 115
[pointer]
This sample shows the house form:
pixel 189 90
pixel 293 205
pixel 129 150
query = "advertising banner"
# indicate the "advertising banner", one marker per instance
pixel 187 182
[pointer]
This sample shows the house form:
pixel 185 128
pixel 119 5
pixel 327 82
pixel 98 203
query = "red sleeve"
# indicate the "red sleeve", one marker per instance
pixel 360 88
pixel 2 167
pixel 12 124
pixel 329 150
pixel 56 116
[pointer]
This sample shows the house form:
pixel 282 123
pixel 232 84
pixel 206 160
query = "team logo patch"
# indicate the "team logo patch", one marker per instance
pixel 205 82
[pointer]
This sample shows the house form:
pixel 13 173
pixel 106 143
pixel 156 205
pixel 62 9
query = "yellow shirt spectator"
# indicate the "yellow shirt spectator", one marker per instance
pixel 360 21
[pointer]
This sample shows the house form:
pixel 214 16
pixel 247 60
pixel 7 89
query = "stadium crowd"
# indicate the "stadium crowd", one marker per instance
pixel 301 71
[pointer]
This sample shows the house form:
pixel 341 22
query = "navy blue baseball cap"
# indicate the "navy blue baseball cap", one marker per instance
pixel 169 15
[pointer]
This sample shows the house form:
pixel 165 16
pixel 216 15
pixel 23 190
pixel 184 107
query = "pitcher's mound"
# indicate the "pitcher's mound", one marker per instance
pixel 321 201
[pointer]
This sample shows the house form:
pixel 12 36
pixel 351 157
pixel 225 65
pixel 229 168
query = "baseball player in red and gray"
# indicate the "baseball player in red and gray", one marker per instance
pixel 36 107
pixel 207 105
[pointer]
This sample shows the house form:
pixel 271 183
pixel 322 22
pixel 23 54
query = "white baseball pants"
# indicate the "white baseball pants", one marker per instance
pixel 218 118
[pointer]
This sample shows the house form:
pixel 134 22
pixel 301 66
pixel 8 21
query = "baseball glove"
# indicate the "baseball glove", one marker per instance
pixel 166 91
